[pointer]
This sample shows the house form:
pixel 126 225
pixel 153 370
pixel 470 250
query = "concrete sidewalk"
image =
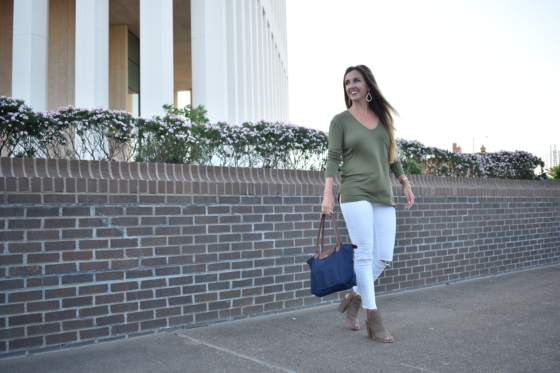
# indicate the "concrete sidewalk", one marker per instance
pixel 503 323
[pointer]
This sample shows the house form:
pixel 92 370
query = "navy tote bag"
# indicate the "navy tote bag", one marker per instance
pixel 332 270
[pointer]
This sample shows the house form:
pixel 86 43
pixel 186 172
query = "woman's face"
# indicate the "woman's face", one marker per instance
pixel 355 85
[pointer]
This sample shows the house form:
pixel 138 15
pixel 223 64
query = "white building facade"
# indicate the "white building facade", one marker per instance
pixel 552 157
pixel 137 55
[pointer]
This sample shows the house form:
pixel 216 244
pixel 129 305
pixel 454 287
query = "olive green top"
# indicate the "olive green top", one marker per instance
pixel 365 156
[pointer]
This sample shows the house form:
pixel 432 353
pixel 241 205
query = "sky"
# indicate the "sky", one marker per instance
pixel 457 71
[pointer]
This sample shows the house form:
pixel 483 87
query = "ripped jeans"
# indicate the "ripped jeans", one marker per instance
pixel 372 227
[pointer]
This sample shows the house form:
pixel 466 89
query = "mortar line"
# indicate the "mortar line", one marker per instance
pixel 235 353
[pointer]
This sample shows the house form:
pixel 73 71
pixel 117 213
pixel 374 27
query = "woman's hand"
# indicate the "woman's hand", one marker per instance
pixel 409 197
pixel 327 206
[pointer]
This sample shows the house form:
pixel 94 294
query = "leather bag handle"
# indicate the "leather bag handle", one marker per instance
pixel 322 254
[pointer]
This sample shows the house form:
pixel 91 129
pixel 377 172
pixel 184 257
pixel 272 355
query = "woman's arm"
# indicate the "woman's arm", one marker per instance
pixel 327 206
pixel 407 190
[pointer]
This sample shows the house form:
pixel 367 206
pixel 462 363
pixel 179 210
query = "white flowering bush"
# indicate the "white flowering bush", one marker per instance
pixel 98 133
pixel 439 162
pixel 184 136
pixel 284 145
pixel 172 139
pixel 23 133
pixel 277 145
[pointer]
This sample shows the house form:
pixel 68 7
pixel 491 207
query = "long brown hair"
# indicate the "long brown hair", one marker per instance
pixel 380 106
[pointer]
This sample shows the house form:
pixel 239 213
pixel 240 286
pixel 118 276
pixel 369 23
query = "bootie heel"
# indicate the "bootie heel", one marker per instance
pixel 351 304
pixel 375 328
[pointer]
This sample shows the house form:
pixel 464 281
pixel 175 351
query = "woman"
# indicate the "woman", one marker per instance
pixel 363 136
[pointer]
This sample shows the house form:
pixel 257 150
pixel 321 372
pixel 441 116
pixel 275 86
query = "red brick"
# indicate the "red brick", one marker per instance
pixel 42 281
pixel 109 254
pixel 124 242
pixel 42 235
pixel 27 247
pixel 11 309
pixel 181 320
pixel 13 212
pixel 61 338
pixel 124 264
pixel 109 320
pixel 43 258
pixel 24 223
pixel 124 307
pixel 34 212
pixel 25 271
pixel 94 333
pixel 93 289
pixel 43 306
pixel 60 223
pixel 25 296
pixel 77 324
pixel 60 246
pixel 94 311
pixel 94 266
pixel 153 324
pixel 11 284
pixel 25 343
pixel 77 233
pixel 93 244
pixel 60 268
pixel 124 328
pixel 109 232
pixel 6 260
pixel 109 276
pixel 60 315
pixel 77 302
pixel 77 255
pixel 139 316
pixel 12 333
pixel 30 318
pixel 60 293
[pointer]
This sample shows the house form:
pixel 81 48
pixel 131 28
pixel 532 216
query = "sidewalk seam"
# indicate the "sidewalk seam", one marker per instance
pixel 234 353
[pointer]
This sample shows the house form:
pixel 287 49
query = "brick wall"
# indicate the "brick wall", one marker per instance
pixel 98 251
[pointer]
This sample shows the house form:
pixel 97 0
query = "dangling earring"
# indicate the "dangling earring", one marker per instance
pixel 369 97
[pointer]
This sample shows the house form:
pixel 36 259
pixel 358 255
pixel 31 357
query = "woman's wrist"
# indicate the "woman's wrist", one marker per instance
pixel 404 182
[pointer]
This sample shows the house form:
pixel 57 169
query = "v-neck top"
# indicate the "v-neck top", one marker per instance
pixel 365 160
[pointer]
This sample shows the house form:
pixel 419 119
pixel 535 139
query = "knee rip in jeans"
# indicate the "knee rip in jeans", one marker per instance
pixel 386 262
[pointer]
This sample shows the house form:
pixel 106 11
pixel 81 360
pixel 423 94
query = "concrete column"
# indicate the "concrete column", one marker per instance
pixel 6 35
pixel 250 68
pixel 156 56
pixel 273 88
pixel 255 19
pixel 209 61
pixel 29 52
pixel 62 53
pixel 259 60
pixel 241 61
pixel 231 58
pixel 92 53
pixel 118 67
pixel 266 69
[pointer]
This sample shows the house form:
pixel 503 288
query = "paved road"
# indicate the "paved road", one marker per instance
pixel 505 323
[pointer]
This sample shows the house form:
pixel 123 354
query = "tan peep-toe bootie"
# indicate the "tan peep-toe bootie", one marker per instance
pixel 375 328
pixel 351 303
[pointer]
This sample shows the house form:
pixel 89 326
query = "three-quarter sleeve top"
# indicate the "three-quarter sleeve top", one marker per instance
pixel 365 156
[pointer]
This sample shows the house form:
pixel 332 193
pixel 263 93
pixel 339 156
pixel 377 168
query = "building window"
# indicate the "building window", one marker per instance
pixel 183 99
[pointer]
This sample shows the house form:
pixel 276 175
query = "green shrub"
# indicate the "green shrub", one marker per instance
pixel 411 167
pixel 554 172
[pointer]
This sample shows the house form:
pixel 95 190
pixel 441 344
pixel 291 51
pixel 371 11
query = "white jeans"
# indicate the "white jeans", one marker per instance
pixel 372 227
